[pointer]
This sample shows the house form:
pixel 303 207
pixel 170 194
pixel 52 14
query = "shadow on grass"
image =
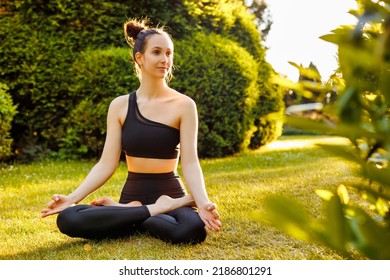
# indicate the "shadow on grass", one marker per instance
pixel 44 253
pixel 74 249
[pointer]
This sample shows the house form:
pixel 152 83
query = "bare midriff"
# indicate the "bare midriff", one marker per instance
pixel 151 165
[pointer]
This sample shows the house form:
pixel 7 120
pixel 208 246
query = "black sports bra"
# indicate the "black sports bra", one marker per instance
pixel 148 139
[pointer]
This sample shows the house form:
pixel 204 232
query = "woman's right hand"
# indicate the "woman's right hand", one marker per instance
pixel 59 202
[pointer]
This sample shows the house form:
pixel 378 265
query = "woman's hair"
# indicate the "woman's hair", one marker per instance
pixel 137 33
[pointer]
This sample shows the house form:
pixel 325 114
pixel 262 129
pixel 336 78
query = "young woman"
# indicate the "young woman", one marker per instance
pixel 156 126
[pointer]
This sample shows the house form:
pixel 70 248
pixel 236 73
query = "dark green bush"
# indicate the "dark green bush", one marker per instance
pixel 98 77
pixel 221 77
pixel 7 112
pixel 268 119
pixel 39 42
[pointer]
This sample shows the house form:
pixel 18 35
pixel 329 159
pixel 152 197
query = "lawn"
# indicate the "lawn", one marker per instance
pixel 292 166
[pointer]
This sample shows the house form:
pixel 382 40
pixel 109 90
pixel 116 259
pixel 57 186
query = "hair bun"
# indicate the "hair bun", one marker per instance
pixel 132 28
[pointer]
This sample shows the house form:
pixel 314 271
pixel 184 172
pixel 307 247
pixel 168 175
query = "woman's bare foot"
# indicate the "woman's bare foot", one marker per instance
pixel 106 201
pixel 165 204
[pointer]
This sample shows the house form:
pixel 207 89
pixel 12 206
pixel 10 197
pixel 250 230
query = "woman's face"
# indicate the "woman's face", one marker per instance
pixel 157 59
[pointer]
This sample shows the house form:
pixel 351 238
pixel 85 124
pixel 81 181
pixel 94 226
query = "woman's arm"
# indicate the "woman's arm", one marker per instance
pixel 191 168
pixel 103 170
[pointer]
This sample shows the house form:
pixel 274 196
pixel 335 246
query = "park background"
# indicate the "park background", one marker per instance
pixel 309 184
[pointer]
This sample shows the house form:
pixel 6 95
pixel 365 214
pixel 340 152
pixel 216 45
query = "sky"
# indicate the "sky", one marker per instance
pixel 295 31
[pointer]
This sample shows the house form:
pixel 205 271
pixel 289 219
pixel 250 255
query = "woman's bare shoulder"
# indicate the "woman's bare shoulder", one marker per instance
pixel 118 107
pixel 120 100
pixel 184 100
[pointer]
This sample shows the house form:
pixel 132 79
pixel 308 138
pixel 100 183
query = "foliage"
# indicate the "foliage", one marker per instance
pixel 40 41
pixel 268 118
pixel 7 112
pixel 229 19
pixel 263 18
pixel 99 76
pixel 44 43
pixel 361 114
pixel 223 84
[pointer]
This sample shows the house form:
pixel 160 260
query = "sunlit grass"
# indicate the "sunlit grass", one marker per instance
pixel 238 184
pixel 303 142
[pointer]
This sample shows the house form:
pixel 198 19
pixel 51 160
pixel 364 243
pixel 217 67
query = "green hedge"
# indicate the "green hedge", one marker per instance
pixel 98 77
pixel 230 19
pixel 39 43
pixel 7 112
pixel 268 112
pixel 221 77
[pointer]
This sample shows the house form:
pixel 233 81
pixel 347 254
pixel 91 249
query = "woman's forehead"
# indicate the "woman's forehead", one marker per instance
pixel 161 41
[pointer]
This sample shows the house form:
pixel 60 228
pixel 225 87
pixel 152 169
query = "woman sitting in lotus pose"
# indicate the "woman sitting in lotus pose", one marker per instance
pixel 156 126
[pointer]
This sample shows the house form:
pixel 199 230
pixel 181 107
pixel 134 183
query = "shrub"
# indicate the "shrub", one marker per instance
pixel 7 112
pixel 230 19
pixel 99 76
pixel 221 77
pixel 40 41
pixel 268 113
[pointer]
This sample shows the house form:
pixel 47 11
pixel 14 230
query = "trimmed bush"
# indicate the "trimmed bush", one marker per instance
pixel 268 112
pixel 7 112
pixel 99 76
pixel 221 77
pixel 230 19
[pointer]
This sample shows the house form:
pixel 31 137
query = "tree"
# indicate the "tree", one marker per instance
pixel 263 17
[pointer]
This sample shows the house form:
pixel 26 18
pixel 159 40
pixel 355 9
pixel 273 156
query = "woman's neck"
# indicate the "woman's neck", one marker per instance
pixel 152 88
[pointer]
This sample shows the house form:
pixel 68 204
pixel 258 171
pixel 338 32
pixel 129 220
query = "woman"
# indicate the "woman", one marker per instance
pixel 152 124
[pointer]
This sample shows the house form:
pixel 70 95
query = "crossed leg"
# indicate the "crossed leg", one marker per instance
pixel 162 205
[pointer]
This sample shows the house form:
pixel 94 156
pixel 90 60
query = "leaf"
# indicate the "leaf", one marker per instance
pixel 382 207
pixel 381 176
pixel 368 236
pixel 325 194
pixel 335 229
pixel 343 194
pixel 287 215
pixel 306 72
pixel 339 35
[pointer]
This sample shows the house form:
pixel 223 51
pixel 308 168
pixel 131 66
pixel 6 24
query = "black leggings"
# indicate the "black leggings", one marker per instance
pixel 182 225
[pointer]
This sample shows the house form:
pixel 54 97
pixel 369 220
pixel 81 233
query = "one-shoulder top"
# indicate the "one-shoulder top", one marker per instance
pixel 145 138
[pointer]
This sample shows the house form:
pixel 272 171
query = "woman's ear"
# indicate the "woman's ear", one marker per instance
pixel 138 59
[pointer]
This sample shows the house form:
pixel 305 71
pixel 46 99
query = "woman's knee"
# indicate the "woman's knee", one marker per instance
pixel 68 221
pixel 182 226
pixel 193 231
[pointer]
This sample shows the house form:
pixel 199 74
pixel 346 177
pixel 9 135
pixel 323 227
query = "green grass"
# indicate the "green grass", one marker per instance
pixel 292 166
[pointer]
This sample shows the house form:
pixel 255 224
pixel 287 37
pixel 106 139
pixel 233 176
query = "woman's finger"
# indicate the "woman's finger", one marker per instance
pixel 214 225
pixel 45 213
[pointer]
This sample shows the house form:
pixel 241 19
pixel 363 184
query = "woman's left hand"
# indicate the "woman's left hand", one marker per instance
pixel 210 216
